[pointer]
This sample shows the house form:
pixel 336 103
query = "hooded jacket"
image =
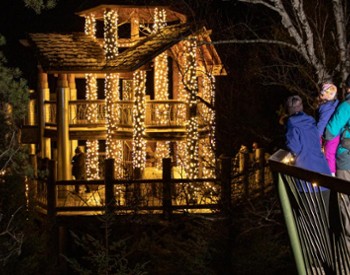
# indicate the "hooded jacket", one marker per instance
pixel 325 111
pixel 302 139
pixel 337 126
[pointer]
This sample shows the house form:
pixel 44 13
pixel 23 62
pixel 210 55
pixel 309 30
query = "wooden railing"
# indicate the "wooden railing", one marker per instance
pixel 165 195
pixel 315 226
pixel 166 113
pixel 159 113
pixel 152 196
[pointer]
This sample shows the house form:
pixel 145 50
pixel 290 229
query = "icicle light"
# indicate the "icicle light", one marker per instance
pixel 139 143
pixel 111 34
pixel 90 25
pixel 92 148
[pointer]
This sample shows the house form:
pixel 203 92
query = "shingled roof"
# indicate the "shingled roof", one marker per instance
pixel 78 52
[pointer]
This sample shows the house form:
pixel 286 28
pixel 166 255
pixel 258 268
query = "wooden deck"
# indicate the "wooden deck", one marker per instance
pixel 147 196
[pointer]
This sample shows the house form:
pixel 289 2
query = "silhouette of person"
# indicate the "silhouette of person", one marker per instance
pixel 79 169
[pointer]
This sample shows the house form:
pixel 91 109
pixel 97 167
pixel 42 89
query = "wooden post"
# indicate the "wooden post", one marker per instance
pixel 53 232
pixel 51 189
pixel 34 183
pixel 244 169
pixel 136 187
pixel 260 172
pixel 167 205
pixel 109 185
pixel 62 118
pixel 44 94
pixel 225 178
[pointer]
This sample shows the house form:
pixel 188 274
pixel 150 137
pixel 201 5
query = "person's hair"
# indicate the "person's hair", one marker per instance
pixel 328 92
pixel 77 150
pixel 294 105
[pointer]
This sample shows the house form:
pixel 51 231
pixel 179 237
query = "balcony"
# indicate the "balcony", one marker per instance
pixel 163 118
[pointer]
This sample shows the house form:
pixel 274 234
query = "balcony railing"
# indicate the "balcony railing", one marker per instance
pixel 165 113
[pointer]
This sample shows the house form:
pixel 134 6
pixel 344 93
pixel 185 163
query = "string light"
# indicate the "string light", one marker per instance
pixel 110 34
pixel 90 25
pixel 127 90
pixel 159 18
pixel 139 143
pixel 190 82
pixel 181 146
pixel 207 145
pixel 114 147
pixel 161 88
pixel 92 146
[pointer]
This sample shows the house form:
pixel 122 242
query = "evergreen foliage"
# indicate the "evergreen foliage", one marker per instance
pixel 39 5
pixel 20 239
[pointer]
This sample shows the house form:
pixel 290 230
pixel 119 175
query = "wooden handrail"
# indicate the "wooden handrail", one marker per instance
pixel 333 183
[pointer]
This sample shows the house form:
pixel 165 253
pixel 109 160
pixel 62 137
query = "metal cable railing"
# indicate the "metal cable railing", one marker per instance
pixel 315 224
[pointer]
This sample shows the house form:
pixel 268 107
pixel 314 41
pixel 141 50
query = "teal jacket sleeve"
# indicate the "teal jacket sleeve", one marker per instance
pixel 339 120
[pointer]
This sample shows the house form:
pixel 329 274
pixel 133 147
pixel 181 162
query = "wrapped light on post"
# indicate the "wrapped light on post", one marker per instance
pixel 92 148
pixel 90 25
pixel 139 143
pixel 114 148
pixel 161 88
pixel 208 145
pixel 181 146
pixel 110 34
pixel 190 82
pixel 159 18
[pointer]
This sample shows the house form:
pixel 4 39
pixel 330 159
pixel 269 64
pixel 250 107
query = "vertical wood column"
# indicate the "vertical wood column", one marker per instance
pixel 44 94
pixel 72 109
pixel 31 118
pixel 63 145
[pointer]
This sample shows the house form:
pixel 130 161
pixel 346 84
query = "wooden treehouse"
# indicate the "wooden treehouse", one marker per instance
pixel 137 86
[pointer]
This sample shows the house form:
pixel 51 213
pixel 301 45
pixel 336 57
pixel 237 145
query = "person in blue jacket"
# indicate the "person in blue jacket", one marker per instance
pixel 303 139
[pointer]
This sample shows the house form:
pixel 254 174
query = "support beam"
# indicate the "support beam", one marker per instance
pixel 44 94
pixel 63 146
pixel 72 111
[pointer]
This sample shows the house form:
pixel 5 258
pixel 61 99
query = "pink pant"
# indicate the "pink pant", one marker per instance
pixel 330 151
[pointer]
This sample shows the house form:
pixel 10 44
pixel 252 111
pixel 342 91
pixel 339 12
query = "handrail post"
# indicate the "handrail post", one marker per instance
pixel 34 182
pixel 291 226
pixel 51 189
pixel 244 169
pixel 54 237
pixel 109 185
pixel 167 204
pixel 260 169
pixel 225 177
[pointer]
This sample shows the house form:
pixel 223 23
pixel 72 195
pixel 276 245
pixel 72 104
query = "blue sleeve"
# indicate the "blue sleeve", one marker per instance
pixel 325 112
pixel 293 139
pixel 338 121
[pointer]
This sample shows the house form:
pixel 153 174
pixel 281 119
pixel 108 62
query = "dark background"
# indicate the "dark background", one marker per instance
pixel 246 109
